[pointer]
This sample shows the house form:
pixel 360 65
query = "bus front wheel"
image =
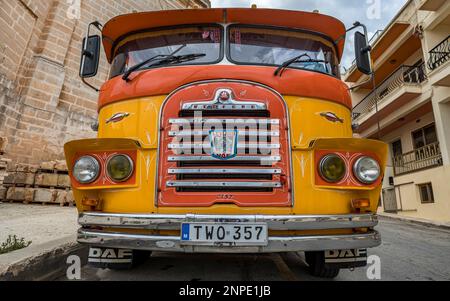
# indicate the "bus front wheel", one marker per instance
pixel 317 266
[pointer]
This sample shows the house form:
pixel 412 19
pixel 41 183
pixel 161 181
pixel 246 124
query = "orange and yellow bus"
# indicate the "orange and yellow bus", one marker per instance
pixel 225 131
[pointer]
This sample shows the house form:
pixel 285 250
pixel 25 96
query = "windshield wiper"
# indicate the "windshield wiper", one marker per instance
pixel 298 59
pixel 178 59
pixel 167 58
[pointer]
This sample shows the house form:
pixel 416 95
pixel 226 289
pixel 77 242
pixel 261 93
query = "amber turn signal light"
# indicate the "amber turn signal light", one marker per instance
pixel 90 202
pixel 361 204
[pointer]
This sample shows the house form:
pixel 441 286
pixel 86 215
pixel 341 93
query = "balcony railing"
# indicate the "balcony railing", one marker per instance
pixel 439 54
pixel 405 75
pixel 422 158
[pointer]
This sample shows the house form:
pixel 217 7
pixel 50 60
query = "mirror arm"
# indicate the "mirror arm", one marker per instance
pixel 355 25
pixel 89 85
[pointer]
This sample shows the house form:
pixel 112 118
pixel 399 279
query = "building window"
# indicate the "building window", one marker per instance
pixel 397 150
pixel 424 136
pixel 426 193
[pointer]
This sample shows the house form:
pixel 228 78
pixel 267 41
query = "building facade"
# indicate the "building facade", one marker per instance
pixel 407 105
pixel 43 103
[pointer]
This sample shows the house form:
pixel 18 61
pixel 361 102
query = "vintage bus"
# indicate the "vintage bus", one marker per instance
pixel 225 131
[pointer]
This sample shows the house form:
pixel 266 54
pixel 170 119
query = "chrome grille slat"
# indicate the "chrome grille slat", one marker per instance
pixel 223 170
pixel 182 121
pixel 238 158
pixel 241 133
pixel 240 146
pixel 248 184
pixel 253 169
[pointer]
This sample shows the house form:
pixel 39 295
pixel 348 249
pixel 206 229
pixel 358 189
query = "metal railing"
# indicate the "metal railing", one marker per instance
pixel 404 75
pixel 439 54
pixel 422 158
pixel 375 36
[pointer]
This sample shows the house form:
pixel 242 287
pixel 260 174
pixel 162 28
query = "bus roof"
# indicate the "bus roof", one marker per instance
pixel 122 25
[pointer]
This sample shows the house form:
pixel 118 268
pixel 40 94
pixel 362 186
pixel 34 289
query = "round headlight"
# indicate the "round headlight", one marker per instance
pixel 367 170
pixel 120 168
pixel 86 170
pixel 332 168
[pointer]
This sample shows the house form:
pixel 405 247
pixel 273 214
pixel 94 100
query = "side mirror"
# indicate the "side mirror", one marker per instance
pixel 362 51
pixel 90 56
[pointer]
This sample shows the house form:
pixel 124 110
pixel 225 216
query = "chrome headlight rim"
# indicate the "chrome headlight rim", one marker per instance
pixel 96 166
pixel 359 177
pixel 322 164
pixel 108 173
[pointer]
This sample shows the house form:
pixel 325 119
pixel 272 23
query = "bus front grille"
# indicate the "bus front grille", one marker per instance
pixel 256 172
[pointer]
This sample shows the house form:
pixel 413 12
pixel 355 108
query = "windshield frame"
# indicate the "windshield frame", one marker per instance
pixel 334 47
pixel 193 63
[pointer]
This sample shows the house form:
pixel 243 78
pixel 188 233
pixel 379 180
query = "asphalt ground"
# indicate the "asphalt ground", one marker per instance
pixel 409 252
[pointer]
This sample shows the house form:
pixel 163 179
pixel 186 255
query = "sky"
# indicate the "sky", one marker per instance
pixel 375 14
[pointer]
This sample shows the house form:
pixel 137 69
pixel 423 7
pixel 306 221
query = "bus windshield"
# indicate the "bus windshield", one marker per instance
pixel 139 47
pixel 273 47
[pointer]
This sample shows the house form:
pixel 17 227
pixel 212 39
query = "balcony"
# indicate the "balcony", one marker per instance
pixel 383 40
pixel 423 158
pixel 438 56
pixel 399 88
pixel 431 5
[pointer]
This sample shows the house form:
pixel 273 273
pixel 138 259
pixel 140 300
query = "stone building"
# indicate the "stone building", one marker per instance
pixel 43 103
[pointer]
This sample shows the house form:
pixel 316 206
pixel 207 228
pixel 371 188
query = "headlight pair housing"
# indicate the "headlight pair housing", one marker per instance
pixel 333 169
pixel 119 168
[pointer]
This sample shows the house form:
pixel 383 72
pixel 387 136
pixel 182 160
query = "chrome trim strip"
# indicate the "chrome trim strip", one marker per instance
pixel 248 184
pixel 230 103
pixel 226 121
pixel 241 133
pixel 225 170
pixel 275 244
pixel 238 158
pixel 240 146
pixel 275 222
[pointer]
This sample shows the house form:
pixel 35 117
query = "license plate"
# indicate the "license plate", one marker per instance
pixel 224 234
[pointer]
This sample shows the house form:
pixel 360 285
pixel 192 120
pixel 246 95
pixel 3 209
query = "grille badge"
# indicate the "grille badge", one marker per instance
pixel 224 144
pixel 330 116
pixel 117 117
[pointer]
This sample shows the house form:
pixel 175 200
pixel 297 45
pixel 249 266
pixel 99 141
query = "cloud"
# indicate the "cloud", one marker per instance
pixel 376 14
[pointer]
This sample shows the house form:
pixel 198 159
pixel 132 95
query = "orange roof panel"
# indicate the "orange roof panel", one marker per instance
pixel 125 24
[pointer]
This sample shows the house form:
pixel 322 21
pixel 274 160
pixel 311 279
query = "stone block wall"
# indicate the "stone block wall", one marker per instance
pixel 43 103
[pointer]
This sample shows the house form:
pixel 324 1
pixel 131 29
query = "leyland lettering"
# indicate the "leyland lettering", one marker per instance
pixel 220 132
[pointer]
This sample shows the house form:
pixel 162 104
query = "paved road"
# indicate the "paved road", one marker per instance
pixel 409 252
pixel 37 223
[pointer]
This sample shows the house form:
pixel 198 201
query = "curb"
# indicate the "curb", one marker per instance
pixel 41 262
pixel 415 221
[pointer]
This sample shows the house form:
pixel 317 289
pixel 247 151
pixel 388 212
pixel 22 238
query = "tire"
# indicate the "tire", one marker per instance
pixel 317 267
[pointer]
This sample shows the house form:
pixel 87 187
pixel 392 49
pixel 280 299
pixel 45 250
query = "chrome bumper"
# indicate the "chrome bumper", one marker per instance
pixel 110 239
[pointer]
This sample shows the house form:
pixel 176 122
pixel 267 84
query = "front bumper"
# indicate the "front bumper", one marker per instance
pixel 111 239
